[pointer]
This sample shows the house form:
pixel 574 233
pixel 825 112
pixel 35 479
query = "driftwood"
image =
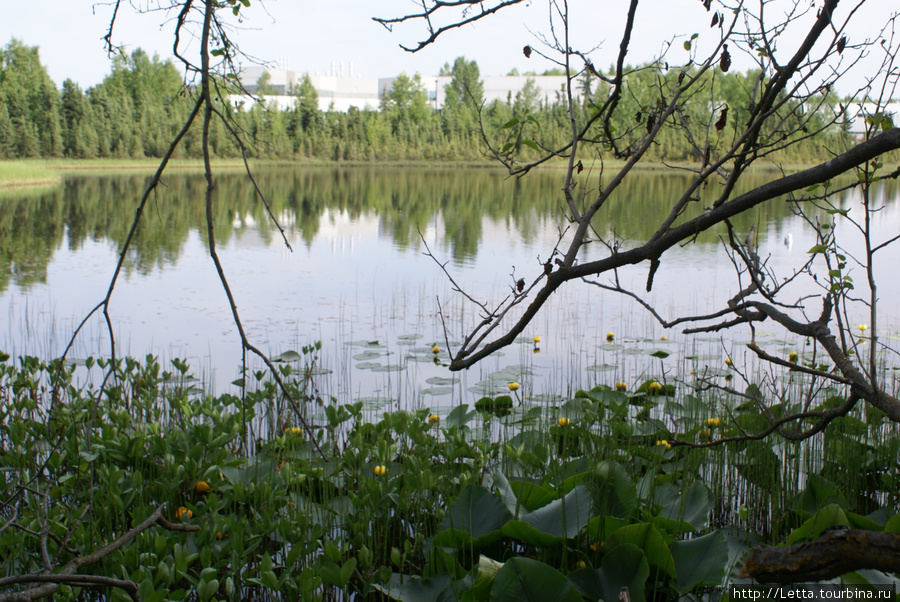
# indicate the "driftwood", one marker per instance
pixel 832 555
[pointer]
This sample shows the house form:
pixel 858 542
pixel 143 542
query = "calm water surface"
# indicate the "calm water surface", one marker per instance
pixel 359 281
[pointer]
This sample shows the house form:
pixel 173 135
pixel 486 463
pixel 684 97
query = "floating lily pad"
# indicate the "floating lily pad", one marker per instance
pixel 409 337
pixel 440 381
pixel 659 353
pixel 389 368
pixel 427 359
pixel 375 403
pixel 371 344
pixel 287 356
pixel 367 365
pixel 437 391
pixel 487 388
pixel 368 355
pixel 547 398
pixel 609 346
pixel 602 368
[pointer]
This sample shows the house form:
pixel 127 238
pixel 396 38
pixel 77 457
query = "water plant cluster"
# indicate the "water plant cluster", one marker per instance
pixel 151 488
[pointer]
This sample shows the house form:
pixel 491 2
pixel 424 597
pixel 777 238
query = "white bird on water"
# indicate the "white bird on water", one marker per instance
pixel 789 241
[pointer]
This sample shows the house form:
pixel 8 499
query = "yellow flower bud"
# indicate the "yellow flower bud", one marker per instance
pixel 513 386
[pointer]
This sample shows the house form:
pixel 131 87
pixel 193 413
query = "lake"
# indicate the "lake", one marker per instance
pixel 358 279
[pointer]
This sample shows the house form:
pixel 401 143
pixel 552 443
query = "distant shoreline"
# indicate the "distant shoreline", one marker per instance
pixel 32 173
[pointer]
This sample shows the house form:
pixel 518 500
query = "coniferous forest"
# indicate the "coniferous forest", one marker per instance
pixel 137 109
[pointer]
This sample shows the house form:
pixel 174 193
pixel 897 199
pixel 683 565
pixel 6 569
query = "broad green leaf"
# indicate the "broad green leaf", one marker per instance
pixel 623 566
pixel 692 506
pixel 531 495
pixel 531 144
pixel 613 490
pixel 401 587
pixel 700 561
pixel 646 537
pixel 474 518
pixel 563 517
pixel 820 492
pixel 526 580
pixel 830 516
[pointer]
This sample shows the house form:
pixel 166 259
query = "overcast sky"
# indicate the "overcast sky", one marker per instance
pixel 321 35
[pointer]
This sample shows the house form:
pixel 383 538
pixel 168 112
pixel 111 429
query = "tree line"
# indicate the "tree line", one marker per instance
pixel 137 109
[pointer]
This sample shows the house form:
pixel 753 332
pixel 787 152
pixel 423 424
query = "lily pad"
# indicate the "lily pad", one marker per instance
pixel 437 391
pixel 388 368
pixel 368 355
pixel 287 356
pixel 440 381
pixel 602 368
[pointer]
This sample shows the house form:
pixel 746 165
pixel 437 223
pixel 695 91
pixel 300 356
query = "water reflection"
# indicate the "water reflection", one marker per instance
pixel 358 274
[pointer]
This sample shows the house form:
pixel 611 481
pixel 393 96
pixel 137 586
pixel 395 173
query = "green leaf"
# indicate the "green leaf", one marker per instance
pixel 347 571
pixel 660 354
pixel 532 495
pixel 646 537
pixel 817 249
pixel 692 506
pixel 624 566
pixel 512 122
pixel 700 561
pixel 615 493
pixel 531 144
pixel 523 579
pixel 269 580
pixel 474 518
pixel 820 492
pixel 829 516
pixel 402 588
pixel 563 517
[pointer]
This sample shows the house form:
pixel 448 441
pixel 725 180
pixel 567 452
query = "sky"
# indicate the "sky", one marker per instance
pixel 326 36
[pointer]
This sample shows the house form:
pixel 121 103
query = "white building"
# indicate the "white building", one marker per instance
pixel 340 92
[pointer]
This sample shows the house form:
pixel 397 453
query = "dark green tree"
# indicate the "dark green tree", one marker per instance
pixel 463 96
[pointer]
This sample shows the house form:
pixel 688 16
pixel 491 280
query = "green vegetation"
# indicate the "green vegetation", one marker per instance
pixel 582 497
pixel 21 173
pixel 136 111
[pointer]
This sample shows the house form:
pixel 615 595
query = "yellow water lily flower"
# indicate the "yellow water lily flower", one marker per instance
pixel 714 422
pixel 704 434
pixel 863 327
pixel 654 387
pixel 663 338
pixel 620 386
pixel 294 430
pixel 380 470
pixel 202 487
pixel 434 418
pixel 728 362
pixel 537 339
pixel 435 349
pixel 793 357
pixel 563 422
pixel 665 443
pixel 183 513
pixel 513 386
pixel 610 336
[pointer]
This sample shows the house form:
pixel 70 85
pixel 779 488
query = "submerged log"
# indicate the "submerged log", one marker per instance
pixel 832 555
